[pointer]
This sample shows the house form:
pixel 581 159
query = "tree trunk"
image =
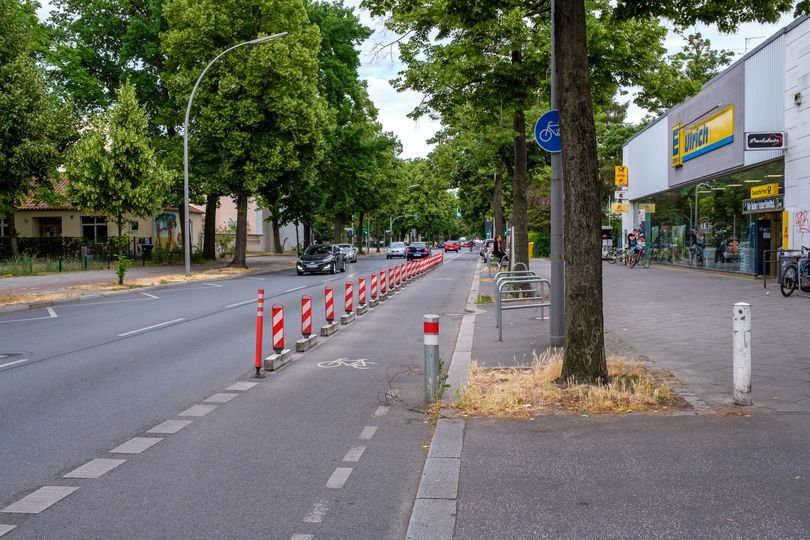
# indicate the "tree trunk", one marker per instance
pixel 277 247
pixel 240 247
pixel 520 195
pixel 378 234
pixel 584 358
pixel 340 219
pixel 307 234
pixel 12 231
pixel 362 235
pixel 497 205
pixel 210 236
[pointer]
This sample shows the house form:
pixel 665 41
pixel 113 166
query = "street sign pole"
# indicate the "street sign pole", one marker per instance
pixel 557 323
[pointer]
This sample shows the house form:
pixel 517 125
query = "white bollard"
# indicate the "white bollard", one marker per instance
pixel 742 353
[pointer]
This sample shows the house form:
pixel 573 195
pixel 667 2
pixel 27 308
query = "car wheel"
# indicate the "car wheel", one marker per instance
pixel 343 267
pixel 300 272
pixel 332 269
pixel 388 256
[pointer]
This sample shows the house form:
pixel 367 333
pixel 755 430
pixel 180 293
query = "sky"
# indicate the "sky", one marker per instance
pixel 394 106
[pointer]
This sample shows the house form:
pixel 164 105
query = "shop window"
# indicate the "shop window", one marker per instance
pixel 94 227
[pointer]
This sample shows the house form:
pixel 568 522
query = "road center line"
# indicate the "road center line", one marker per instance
pixel 212 284
pixel 354 453
pixel 339 477
pixel 368 432
pixel 317 512
pixel 151 327
pixel 150 295
pixel 297 288
pixel 20 361
pixel 241 303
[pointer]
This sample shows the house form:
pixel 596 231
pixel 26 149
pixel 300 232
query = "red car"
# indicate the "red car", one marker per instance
pixel 451 245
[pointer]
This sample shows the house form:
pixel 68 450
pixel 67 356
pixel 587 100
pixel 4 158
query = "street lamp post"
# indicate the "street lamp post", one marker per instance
pixel 393 219
pixel 187 228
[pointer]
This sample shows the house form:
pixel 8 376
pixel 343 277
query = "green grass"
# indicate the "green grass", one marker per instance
pixel 31 266
pixel 484 299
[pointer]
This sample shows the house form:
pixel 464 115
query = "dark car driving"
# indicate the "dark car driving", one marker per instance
pixel 321 258
pixel 417 250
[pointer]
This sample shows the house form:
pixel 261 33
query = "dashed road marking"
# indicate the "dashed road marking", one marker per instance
pixel 368 432
pixel 220 397
pixel 39 500
pixel 198 410
pixel 293 537
pixel 354 453
pixel 339 477
pixel 95 468
pixel 382 410
pixel 317 512
pixel 20 361
pixel 51 312
pixel 151 327
pixel 170 426
pixel 241 303
pixel 6 528
pixel 297 288
pixel 241 386
pixel 254 278
pixel 150 295
pixel 212 284
pixel 136 445
pixel 51 315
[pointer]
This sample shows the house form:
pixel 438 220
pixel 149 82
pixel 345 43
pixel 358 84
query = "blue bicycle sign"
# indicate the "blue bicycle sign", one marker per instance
pixel 547 131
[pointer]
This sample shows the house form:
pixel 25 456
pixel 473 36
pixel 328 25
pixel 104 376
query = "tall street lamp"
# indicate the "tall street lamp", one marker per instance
pixel 393 219
pixel 187 228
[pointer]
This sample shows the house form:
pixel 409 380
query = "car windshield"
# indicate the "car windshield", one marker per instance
pixel 344 246
pixel 319 249
pixel 397 244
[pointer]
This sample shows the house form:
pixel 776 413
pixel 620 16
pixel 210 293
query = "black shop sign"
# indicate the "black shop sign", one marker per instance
pixel 765 204
pixel 771 140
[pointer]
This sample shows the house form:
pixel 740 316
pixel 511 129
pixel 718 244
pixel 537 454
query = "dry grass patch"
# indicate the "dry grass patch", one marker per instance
pixel 31 298
pixel 207 275
pixel 530 391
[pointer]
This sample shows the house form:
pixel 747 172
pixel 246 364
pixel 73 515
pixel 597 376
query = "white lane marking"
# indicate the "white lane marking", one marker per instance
pixel 354 453
pixel 368 432
pixel 170 426
pixel 51 315
pixel 382 410
pixel 339 477
pixel 39 500
pixel 95 468
pixel 293 537
pixel 220 397
pixel 136 445
pixel 20 361
pixel 198 410
pixel 317 512
pixel 242 303
pixel 151 327
pixel 352 275
pixel 240 386
pixel 297 288
pixel 6 528
pixel 51 312
pixel 150 295
pixel 254 278
pixel 212 284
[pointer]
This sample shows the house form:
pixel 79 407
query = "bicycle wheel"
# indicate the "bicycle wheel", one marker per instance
pixel 646 261
pixel 611 256
pixel 790 278
pixel 633 261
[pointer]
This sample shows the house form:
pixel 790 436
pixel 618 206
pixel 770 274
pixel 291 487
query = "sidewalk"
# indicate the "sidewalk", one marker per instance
pixel 706 474
pixel 18 292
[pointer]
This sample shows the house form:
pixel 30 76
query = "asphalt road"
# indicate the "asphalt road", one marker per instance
pixel 269 463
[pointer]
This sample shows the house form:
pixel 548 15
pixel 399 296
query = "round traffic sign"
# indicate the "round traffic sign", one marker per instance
pixel 547 131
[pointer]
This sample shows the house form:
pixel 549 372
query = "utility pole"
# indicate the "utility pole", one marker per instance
pixel 557 323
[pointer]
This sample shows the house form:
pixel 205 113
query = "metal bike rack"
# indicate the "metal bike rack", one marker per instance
pixel 526 280
pixel 515 266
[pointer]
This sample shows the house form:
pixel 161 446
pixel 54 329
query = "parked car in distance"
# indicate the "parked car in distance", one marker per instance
pixel 451 245
pixel 321 258
pixel 417 250
pixel 349 252
pixel 395 249
pixel 441 245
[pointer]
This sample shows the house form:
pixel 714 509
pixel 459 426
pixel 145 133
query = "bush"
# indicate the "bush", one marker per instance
pixel 542 243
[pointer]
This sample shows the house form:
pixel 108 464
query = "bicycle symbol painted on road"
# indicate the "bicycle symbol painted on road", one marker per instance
pixel 360 363
pixel 551 130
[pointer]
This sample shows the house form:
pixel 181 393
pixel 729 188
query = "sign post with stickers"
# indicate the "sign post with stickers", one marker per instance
pixel 620 172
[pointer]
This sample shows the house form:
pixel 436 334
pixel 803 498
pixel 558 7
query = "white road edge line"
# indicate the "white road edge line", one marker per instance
pixel 212 284
pixel 150 295
pixel 241 303
pixel 297 288
pixel 7 364
pixel 151 327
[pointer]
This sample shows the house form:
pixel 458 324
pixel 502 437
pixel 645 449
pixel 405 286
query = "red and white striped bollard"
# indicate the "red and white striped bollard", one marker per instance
pixel 431 329
pixel 349 296
pixel 278 328
pixel 306 315
pixel 259 332
pixel 329 298
pixel 373 286
pixel 361 291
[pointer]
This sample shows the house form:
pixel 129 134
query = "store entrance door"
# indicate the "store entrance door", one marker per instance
pixel 765 238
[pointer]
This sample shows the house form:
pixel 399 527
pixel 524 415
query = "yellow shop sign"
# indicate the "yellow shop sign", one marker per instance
pixel 765 190
pixel 619 208
pixel 710 134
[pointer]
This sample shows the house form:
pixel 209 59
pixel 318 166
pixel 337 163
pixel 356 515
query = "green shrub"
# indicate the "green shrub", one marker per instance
pixel 542 243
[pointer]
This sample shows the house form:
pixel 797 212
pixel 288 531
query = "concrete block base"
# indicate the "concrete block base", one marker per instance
pixel 374 302
pixel 347 319
pixel 383 297
pixel 361 310
pixel 329 329
pixel 305 344
pixel 275 361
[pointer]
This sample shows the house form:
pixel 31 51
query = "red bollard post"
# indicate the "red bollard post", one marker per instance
pixel 259 332
pixel 278 328
pixel 349 296
pixel 391 283
pixel 361 291
pixel 383 285
pixel 329 296
pixel 306 315
pixel 373 286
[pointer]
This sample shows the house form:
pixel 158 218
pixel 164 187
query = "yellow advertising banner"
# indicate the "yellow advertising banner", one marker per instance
pixel 710 134
pixel 621 175
pixel 619 208
pixel 785 228
pixel 647 207
pixel 765 190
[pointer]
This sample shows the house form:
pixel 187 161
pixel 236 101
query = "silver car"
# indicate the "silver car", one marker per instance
pixel 349 252
pixel 395 249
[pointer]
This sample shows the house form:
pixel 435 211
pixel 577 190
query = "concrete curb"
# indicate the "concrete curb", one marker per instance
pixel 434 511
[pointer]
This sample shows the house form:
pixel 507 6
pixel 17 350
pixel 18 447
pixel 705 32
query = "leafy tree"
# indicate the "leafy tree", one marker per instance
pixel 112 169
pixel 257 113
pixel 34 127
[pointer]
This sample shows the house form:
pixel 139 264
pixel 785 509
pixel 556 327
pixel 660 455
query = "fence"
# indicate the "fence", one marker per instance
pixel 69 247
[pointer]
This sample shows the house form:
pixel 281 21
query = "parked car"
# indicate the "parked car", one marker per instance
pixel 321 258
pixel 395 249
pixel 441 245
pixel 417 250
pixel 349 252
pixel 486 248
pixel 451 245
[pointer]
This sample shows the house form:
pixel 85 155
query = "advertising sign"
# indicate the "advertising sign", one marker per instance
pixel 621 175
pixel 772 140
pixel 648 207
pixel 702 137
pixel 620 195
pixel 619 208
pixel 765 190
pixel 785 229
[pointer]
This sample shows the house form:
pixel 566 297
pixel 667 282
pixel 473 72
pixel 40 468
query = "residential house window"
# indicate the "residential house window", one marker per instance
pixel 5 227
pixel 94 227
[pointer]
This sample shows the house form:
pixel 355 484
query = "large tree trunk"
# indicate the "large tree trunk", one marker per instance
pixel 497 205
pixel 277 247
pixel 240 248
pixel 15 247
pixel 340 219
pixel 307 234
pixel 520 219
pixel 210 236
pixel 361 236
pixel 584 359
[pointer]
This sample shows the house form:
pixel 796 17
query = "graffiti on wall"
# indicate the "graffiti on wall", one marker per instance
pixel 802 225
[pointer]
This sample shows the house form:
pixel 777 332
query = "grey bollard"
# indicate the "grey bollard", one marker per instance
pixel 742 354
pixel 431 327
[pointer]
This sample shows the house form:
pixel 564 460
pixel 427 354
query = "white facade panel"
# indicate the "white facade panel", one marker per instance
pixel 647 159
pixel 797 126
pixel 764 91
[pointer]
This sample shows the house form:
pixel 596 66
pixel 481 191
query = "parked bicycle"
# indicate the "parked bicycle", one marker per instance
pixel 638 256
pixel 797 274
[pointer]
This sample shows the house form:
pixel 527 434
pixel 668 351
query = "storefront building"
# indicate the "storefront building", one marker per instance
pixel 723 180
